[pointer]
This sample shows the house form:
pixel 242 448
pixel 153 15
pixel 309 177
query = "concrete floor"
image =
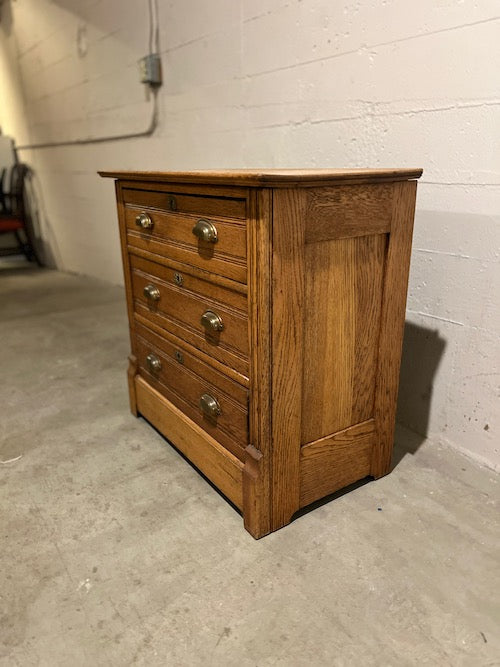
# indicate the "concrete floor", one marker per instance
pixel 115 552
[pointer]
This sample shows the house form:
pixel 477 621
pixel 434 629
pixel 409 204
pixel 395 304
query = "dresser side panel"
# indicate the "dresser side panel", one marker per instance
pixel 343 296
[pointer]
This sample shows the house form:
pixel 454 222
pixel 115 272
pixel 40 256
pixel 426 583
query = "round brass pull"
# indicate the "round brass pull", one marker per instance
pixel 209 405
pixel 144 221
pixel 154 364
pixel 211 321
pixel 151 292
pixel 205 231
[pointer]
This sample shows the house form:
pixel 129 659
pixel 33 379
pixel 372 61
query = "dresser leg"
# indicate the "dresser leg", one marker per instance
pixel 255 494
pixel 131 373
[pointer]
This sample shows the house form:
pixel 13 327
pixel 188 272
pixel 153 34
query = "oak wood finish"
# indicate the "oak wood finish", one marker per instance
pixel 200 354
pixel 257 481
pixel 182 276
pixel 171 235
pixel 183 383
pixel 346 211
pixel 311 280
pixel 177 228
pixel 336 461
pixel 392 323
pixel 135 191
pixel 201 449
pixel 180 203
pixel 287 351
pixel 185 307
pixel 341 318
pixel 181 267
pixel 274 178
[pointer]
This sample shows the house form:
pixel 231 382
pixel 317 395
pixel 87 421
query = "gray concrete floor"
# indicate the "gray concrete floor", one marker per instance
pixel 115 552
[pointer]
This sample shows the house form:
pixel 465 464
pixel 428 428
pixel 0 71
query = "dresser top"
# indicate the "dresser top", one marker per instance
pixel 269 177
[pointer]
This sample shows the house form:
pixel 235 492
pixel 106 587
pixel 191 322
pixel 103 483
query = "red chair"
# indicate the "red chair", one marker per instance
pixel 13 215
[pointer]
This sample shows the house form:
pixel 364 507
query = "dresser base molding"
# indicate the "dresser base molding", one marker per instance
pixel 332 463
pixel 326 465
pixel 214 461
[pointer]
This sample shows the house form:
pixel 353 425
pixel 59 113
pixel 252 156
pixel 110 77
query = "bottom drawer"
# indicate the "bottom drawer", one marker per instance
pixel 213 401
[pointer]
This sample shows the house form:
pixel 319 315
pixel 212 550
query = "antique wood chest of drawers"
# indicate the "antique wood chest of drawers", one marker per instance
pixel 266 315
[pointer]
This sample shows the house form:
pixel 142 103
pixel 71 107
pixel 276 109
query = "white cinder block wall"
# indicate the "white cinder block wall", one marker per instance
pixel 289 83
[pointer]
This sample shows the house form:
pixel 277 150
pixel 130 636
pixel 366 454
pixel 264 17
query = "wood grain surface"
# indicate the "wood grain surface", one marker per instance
pixel 178 229
pixel 392 323
pixel 184 384
pixel 214 461
pixel 274 178
pixel 184 307
pixel 195 351
pixel 288 293
pixel 183 267
pixel 336 461
pixel 201 284
pixel 346 211
pixel 341 320
pixel 258 465
pixel 179 203
pixel 172 235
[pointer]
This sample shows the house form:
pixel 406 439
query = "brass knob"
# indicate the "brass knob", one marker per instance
pixel 209 405
pixel 205 231
pixel 154 364
pixel 144 221
pixel 211 321
pixel 151 292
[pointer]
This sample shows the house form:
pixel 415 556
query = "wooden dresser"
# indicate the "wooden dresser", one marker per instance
pixel 266 314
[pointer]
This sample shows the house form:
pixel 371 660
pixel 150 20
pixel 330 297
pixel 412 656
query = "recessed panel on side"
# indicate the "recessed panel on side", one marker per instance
pixel 342 304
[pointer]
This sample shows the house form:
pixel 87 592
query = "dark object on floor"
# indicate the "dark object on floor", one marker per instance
pixel 13 214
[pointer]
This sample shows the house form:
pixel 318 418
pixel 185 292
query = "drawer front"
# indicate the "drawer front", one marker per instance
pixel 186 238
pixel 184 379
pixel 184 202
pixel 180 302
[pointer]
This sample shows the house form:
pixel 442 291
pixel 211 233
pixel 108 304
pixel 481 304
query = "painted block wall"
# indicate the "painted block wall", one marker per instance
pixel 289 83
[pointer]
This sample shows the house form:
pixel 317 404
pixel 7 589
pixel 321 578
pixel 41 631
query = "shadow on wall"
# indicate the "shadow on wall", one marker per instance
pixel 422 353
pixel 42 234
pixel 6 17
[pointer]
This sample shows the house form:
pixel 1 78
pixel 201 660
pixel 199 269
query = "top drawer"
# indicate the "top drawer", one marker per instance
pixel 196 204
pixel 189 228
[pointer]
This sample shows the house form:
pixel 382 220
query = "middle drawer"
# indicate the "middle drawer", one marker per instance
pixel 210 317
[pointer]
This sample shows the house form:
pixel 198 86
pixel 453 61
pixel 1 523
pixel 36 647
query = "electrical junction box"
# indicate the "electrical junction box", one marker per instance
pixel 150 69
